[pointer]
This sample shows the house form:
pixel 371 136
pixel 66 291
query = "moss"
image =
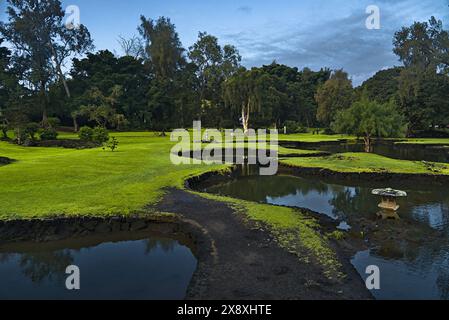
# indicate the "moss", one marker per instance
pixel 294 230
pixel 337 235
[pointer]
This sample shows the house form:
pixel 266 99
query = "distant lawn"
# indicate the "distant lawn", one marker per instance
pixel 368 162
pixel 308 137
pixel 444 141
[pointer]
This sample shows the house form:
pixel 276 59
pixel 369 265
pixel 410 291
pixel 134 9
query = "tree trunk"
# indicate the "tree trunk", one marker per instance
pixel 75 123
pixel 59 71
pixel 245 119
pixel 43 96
pixel 368 144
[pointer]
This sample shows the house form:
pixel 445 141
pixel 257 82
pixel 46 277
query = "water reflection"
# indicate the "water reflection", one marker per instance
pixel 414 258
pixel 154 268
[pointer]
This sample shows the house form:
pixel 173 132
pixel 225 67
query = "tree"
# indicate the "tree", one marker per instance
pixel 132 47
pixel 423 97
pixel 214 65
pixel 103 108
pixel 103 71
pixel 336 94
pixel 423 45
pixel 41 44
pixel 383 86
pixel 163 48
pixel 243 92
pixel 370 119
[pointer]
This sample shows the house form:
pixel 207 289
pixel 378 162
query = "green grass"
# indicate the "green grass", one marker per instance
pixel 308 137
pixel 426 141
pixel 46 182
pixel 368 162
pixel 296 152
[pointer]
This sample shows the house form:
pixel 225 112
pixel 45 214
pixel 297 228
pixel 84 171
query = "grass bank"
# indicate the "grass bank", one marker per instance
pixel 368 163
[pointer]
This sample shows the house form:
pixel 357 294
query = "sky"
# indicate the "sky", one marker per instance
pixel 299 33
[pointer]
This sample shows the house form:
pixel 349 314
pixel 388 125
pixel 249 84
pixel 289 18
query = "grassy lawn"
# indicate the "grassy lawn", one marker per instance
pixel 308 137
pixel 46 182
pixel 368 162
pixel 426 141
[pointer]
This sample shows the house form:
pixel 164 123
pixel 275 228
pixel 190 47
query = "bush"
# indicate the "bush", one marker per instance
pixel 54 122
pixel 329 131
pixel 48 134
pixel 20 135
pixel 112 144
pixel 294 127
pixel 100 135
pixel 86 133
pixel 31 129
pixel 4 130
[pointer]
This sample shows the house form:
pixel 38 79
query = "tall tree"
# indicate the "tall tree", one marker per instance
pixel 334 95
pixel 42 43
pixel 243 92
pixel 214 65
pixel 162 46
pixel 423 97
pixel 423 45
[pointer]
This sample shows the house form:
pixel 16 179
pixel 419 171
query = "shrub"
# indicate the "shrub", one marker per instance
pixel 48 134
pixel 31 129
pixel 20 135
pixel 54 122
pixel 294 127
pixel 100 135
pixel 86 133
pixel 4 130
pixel 112 144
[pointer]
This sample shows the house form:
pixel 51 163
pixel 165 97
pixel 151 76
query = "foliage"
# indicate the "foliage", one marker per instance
pixel 54 122
pixel 100 135
pixel 41 43
pixel 86 133
pixel 294 127
pixel 48 134
pixel 4 130
pixel 423 45
pixel 334 95
pixel 31 129
pixel 383 86
pixel 112 144
pixel 370 119
pixel 162 46
pixel 423 97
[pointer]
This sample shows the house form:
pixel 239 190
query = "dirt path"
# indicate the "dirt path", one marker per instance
pixel 238 262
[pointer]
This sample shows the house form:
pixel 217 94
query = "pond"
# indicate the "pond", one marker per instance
pixel 412 152
pixel 150 268
pixel 410 268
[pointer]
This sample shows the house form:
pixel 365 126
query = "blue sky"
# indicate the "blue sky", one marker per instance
pixel 312 33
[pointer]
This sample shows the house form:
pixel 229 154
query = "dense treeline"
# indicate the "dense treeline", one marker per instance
pixel 158 84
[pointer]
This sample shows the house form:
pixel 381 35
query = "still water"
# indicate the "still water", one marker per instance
pixel 150 268
pixel 390 150
pixel 409 269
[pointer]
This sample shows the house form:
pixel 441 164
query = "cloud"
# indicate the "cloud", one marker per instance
pixel 245 9
pixel 342 42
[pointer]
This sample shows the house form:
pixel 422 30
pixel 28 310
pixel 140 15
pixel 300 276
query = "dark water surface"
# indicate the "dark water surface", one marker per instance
pixel 148 268
pixel 408 270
